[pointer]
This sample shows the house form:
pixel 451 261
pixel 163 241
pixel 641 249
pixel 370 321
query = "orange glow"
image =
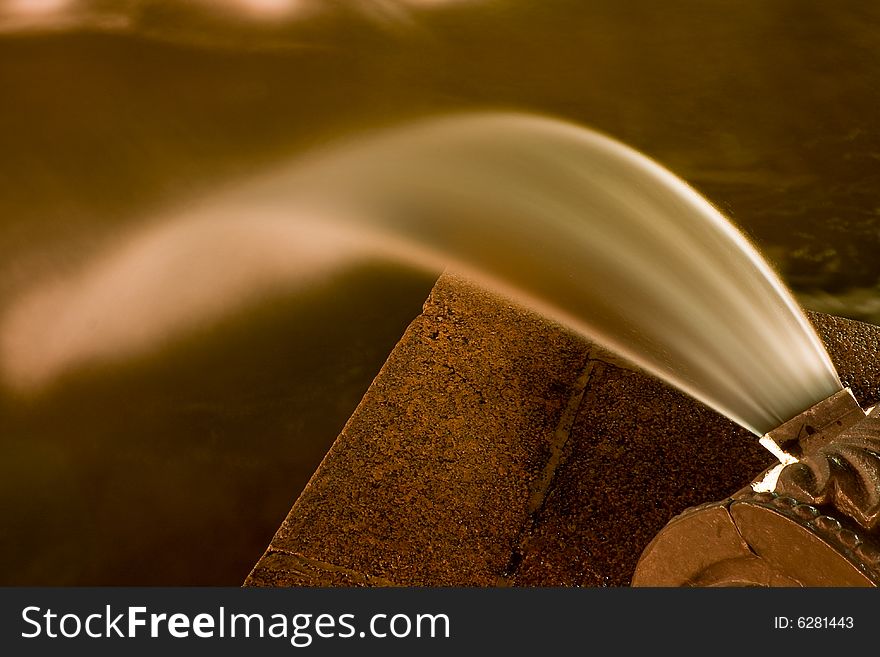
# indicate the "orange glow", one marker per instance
pixel 268 8
pixel 269 5
pixel 39 7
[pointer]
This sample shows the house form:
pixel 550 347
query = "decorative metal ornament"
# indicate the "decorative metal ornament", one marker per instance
pixel 814 520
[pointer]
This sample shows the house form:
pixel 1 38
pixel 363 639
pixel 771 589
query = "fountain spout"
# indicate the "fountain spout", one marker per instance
pixel 813 520
pixel 815 427
pixel 807 432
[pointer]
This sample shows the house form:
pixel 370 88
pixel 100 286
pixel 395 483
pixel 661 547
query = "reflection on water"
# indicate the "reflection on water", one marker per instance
pixel 126 473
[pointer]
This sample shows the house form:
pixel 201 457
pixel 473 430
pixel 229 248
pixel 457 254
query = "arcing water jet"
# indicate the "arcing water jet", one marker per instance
pixel 561 218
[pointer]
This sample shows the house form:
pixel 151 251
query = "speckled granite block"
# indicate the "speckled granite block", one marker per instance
pixel 496 448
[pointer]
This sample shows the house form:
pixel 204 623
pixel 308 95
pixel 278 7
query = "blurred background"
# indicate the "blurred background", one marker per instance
pixel 177 466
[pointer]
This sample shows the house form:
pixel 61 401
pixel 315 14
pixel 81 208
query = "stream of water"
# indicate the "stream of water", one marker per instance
pixel 556 216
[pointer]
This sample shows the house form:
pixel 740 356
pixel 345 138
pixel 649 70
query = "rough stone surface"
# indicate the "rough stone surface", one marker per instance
pixel 495 448
pixel 639 454
pixel 283 569
pixel 431 479
pixel 854 348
